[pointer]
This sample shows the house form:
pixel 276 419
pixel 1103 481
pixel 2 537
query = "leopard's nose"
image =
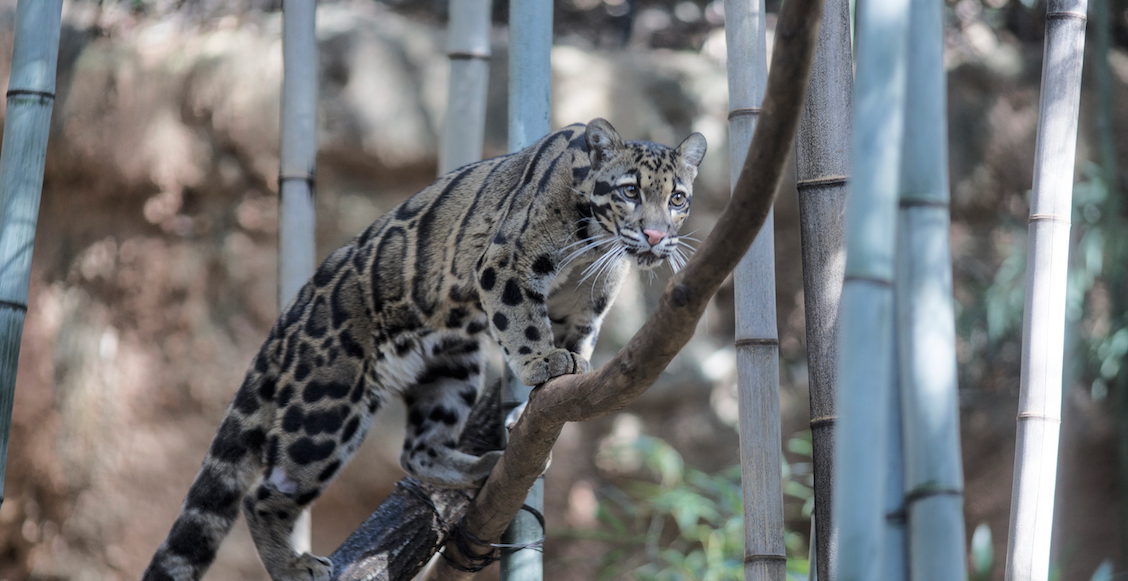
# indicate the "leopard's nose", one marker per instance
pixel 653 236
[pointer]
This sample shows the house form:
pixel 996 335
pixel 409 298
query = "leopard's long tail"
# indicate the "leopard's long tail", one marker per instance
pixel 212 503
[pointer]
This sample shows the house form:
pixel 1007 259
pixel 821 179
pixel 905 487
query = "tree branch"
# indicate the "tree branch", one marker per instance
pixel 385 538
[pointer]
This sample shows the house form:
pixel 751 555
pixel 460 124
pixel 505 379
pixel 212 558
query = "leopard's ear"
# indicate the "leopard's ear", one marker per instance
pixel 602 141
pixel 692 150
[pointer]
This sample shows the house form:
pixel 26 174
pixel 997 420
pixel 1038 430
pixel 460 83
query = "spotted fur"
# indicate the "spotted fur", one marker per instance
pixel 527 249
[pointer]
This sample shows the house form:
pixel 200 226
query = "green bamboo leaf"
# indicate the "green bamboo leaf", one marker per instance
pixel 801 445
pixel 797 489
pixel 608 518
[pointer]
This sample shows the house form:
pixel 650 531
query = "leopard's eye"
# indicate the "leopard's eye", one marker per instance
pixel 630 191
pixel 677 200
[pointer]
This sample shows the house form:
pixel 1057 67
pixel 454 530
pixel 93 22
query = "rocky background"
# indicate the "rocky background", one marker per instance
pixel 154 273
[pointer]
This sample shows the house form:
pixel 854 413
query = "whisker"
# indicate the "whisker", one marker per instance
pixel 580 251
pixel 607 258
pixel 593 240
pixel 581 220
pixel 677 260
pixel 576 243
pixel 598 262
pixel 589 275
pixel 594 265
pixel 606 268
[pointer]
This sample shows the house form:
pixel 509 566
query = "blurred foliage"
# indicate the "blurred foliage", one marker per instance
pixel 614 24
pixel 982 559
pixel 1096 325
pixel 609 24
pixel 982 553
pixel 685 524
pixel 1097 281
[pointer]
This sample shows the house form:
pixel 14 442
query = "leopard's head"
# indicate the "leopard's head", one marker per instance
pixel 641 194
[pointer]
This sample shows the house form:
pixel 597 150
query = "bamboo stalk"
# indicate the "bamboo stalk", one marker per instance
pixel 530 94
pixel 1039 413
pixel 813 552
pixel 822 166
pixel 530 71
pixel 469 51
pixel 31 95
pixel 895 553
pixel 926 316
pixel 866 348
pixel 757 341
pixel 580 397
pixel 296 177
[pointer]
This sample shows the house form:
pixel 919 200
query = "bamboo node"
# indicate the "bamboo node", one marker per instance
pixel 748 341
pixel 819 421
pixel 1037 416
pixel 872 279
pixel 923 492
pixel 1060 14
pixel 309 178
pixel 764 557
pixel 468 55
pixel 743 111
pixel 30 93
pixel 922 203
pixel 822 182
pixel 1050 218
pixel 15 306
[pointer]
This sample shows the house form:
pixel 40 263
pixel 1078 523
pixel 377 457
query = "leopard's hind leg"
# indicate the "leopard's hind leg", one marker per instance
pixel 316 433
pixel 438 405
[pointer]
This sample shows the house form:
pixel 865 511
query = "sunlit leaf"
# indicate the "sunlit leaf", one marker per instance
pixel 982 552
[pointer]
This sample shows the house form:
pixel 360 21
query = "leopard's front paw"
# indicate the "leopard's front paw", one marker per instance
pixel 554 364
pixel 482 468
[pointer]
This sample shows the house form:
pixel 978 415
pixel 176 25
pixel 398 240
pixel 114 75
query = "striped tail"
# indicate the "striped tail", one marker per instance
pixel 212 504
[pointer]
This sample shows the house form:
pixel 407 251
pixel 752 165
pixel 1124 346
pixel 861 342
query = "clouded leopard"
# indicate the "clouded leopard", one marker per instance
pixel 527 249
